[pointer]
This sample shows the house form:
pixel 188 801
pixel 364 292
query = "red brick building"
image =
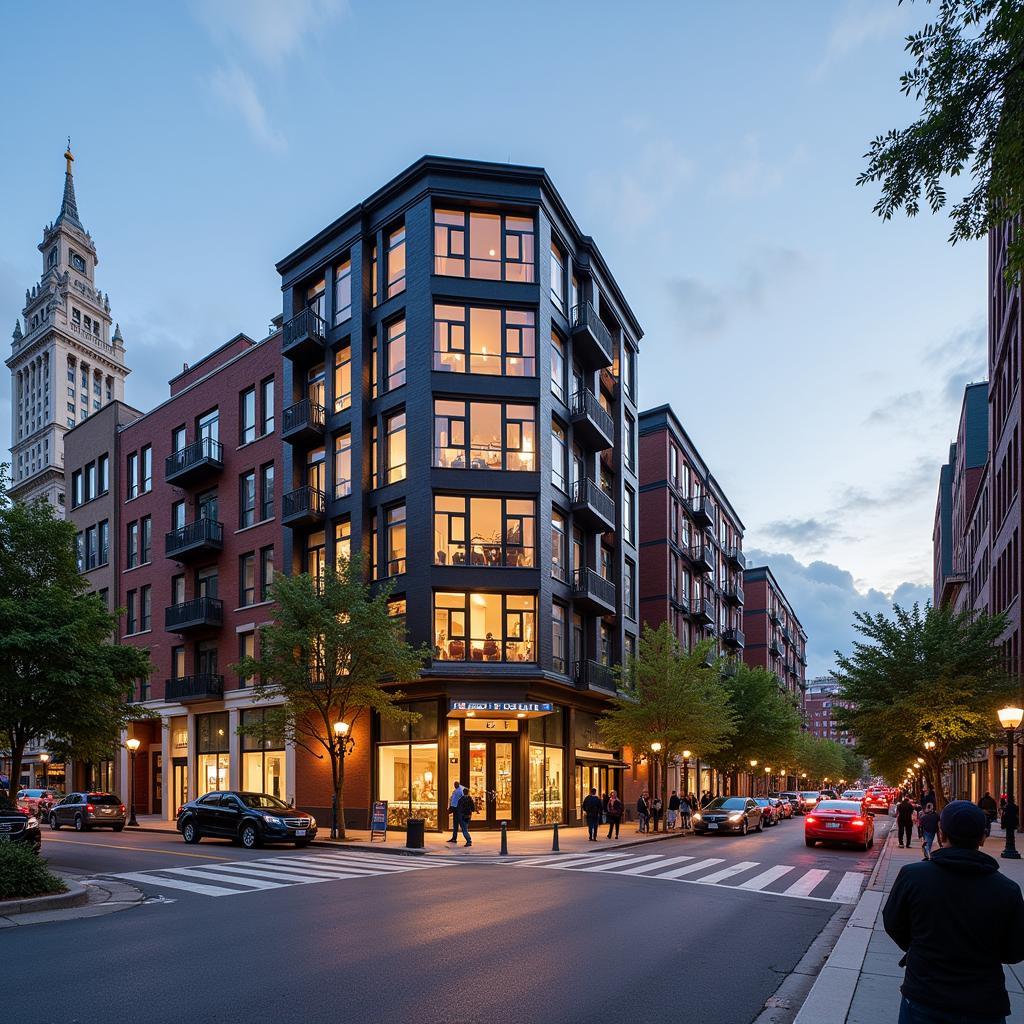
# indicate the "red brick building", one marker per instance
pixel 775 640
pixel 820 702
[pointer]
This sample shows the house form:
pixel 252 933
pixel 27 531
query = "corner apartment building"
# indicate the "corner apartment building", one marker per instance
pixel 460 408
pixel 775 640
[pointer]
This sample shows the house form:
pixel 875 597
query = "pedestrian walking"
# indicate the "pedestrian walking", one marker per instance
pixel 466 809
pixel 592 812
pixel 904 821
pixel 991 809
pixel 929 827
pixel 685 812
pixel 958 918
pixel 453 810
pixel 1011 816
pixel 614 813
pixel 656 812
pixel 643 812
pixel 673 810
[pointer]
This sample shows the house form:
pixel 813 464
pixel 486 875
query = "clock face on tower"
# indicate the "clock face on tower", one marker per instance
pixel 77 262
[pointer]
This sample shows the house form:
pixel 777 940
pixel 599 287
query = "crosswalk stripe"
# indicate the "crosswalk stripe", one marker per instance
pixel 662 862
pixel 807 883
pixel 177 883
pixel 848 889
pixel 303 870
pixel 690 868
pixel 766 877
pixel 547 860
pixel 728 872
pixel 350 862
pixel 211 874
pixel 278 875
pixel 617 862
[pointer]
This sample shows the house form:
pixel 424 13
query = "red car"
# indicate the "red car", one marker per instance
pixel 877 800
pixel 839 821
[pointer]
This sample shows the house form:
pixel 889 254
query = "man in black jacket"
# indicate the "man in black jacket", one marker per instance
pixel 592 808
pixel 959 920
pixel 905 820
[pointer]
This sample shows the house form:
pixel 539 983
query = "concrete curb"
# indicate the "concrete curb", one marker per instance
pixel 76 896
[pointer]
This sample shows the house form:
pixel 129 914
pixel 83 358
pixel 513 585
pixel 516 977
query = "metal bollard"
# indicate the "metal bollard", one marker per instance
pixel 504 841
pixel 554 839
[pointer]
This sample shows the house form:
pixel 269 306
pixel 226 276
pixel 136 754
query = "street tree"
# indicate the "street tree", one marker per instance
pixel 968 78
pixel 818 759
pixel 63 681
pixel 670 697
pixel 332 656
pixel 924 684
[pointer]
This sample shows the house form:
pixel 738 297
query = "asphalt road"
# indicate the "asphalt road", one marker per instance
pixel 381 937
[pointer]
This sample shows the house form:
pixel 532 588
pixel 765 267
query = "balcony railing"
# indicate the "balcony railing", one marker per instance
pixel 303 420
pixel 199 613
pixel 591 504
pixel 702 556
pixel 701 510
pixel 196 460
pixel 591 422
pixel 303 505
pixel 591 588
pixel 736 557
pixel 734 593
pixel 702 610
pixel 775 647
pixel 304 334
pixel 733 637
pixel 589 673
pixel 202 537
pixel 204 686
pixel 592 339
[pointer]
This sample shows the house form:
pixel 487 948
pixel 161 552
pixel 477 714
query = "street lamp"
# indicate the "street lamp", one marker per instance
pixel 345 746
pixel 1010 719
pixel 686 772
pixel 133 748
pixel 655 762
pixel 45 758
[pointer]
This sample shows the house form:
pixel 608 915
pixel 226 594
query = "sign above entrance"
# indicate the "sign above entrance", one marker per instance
pixel 499 707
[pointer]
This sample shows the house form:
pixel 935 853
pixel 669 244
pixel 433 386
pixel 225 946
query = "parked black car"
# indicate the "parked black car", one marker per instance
pixel 251 819
pixel 18 826
pixel 728 814
pixel 83 811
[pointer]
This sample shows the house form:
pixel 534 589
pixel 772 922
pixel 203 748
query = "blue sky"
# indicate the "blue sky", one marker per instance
pixel 816 355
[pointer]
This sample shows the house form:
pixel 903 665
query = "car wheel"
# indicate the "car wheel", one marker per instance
pixel 54 823
pixel 190 833
pixel 249 836
pixel 810 842
pixel 80 825
pixel 118 828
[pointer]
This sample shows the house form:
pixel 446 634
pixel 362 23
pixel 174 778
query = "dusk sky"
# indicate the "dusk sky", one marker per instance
pixel 815 355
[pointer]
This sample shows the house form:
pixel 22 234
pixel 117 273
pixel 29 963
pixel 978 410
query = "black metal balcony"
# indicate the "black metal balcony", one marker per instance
pixel 592 507
pixel 775 647
pixel 303 507
pixel 735 557
pixel 303 421
pixel 801 657
pixel 701 510
pixel 592 590
pixel 204 686
pixel 680 601
pixel 702 557
pixel 591 423
pixel 304 335
pixel 733 593
pixel 592 341
pixel 194 462
pixel 200 539
pixel 775 616
pixel 786 635
pixel 191 616
pixel 592 675
pixel 733 637
pixel 702 610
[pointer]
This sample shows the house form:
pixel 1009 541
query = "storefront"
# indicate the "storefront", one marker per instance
pixel 598 766
pixel 213 752
pixel 263 761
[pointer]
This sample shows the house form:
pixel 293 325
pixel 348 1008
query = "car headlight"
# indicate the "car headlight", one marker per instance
pixel 698 816
pixel 33 822
pixel 271 820
pixel 735 817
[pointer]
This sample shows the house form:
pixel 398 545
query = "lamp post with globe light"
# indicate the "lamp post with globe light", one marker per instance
pixel 345 744
pixel 133 748
pixel 655 786
pixel 45 758
pixel 1010 719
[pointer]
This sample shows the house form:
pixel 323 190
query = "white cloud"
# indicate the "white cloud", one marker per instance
pixel 752 174
pixel 861 22
pixel 235 91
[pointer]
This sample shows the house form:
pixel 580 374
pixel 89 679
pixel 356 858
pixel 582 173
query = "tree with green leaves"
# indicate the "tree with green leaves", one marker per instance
pixel 766 718
pixel 670 697
pixel 968 77
pixel 818 759
pixel 63 681
pixel 333 654
pixel 924 684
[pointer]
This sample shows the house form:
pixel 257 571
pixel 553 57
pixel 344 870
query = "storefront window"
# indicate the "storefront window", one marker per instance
pixel 547 792
pixel 213 759
pixel 407 766
pixel 263 761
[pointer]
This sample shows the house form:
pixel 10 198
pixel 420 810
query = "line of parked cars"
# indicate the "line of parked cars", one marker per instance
pixel 743 814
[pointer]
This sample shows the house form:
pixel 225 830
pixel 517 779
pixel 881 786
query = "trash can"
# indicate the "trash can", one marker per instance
pixel 414 833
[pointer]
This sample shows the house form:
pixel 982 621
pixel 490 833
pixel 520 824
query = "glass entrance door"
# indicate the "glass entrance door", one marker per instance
pixel 491 776
pixel 179 783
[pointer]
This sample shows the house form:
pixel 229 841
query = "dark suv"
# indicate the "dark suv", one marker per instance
pixel 83 811
pixel 251 819
pixel 17 826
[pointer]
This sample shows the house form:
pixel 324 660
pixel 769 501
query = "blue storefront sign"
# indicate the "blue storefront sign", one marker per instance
pixel 501 706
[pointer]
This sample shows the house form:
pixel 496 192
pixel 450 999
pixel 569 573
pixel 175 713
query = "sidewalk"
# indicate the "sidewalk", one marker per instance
pixel 860 982
pixel 485 844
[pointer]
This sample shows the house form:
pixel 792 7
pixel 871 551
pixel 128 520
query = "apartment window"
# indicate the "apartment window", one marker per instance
pixel 247 649
pixel 315 556
pixel 146 468
pixel 178 589
pixel 146 539
pixel 577 549
pixel 178 515
pixel 316 379
pixel 315 297
pixel 80 551
pixel 267 491
pixel 628 526
pixel 248 416
pixel 374 294
pixel 630 442
pixel 247 579
pixel 77 490
pixel 478 339
pixel 133 475
pixel 629 372
pixel 484 627
pixel 559 456
pixel 559 638
pixel 177 439
pixel 247 499
pixel 499 246
pixel 343 465
pixel 396 261
pixel 629 587
pixel 395 355
pixel 315 469
pixel 103 474
pixel 559 548
pixel 131 612
pixel 395 538
pixel 394 449
pixel 484 531
pixel 208 429
pixel 90 481
pixel 557 367
pixel 343 292
pixel 104 541
pixel 145 608
pixel 557 277
pixel 90 548
pixel 267 397
pixel 266 572
pixel 484 435
pixel 133 544
pixel 343 377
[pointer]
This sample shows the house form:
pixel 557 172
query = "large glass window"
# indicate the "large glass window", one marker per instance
pixel 476 339
pixel 396 261
pixel 267 390
pixel 546 769
pixel 393 451
pixel 499 246
pixel 557 367
pixel 145 539
pixel 247 499
pixel 343 539
pixel 315 556
pixel 629 442
pixel 263 761
pixel 248 415
pixel 247 579
pixel 484 627
pixel 559 548
pixel 266 572
pixel 395 537
pixel 267 491
pixel 628 518
pixel 395 370
pixel 559 455
pixel 343 292
pixel 343 465
pixel 407 766
pixel 559 638
pixel 213 759
pixel 315 469
pixel 557 277
pixel 484 531
pixel 343 377
pixel 484 435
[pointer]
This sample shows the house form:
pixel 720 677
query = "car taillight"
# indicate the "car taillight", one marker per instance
pixel 859 822
pixel 122 808
pixel 810 820
pixel 90 808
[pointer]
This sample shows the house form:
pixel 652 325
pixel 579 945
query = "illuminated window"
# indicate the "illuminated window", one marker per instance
pixel 472 339
pixel 343 378
pixel 484 435
pixel 343 465
pixel 374 297
pixel 396 261
pixel 315 556
pixel 343 292
pixel 343 539
pixel 500 246
pixel 484 627
pixel 559 548
pixel 557 367
pixel 393 454
pixel 315 298
pixel 484 531
pixel 315 469
pixel 395 370
pixel 559 638
pixel 559 455
pixel 395 537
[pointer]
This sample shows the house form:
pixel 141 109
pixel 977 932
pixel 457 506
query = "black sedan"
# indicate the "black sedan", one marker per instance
pixel 729 814
pixel 17 826
pixel 251 819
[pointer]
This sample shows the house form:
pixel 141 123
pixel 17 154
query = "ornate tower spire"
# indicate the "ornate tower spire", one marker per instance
pixel 69 205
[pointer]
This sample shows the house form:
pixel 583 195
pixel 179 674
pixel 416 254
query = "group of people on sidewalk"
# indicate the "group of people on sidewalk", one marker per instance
pixel 924 815
pixel 608 809
pixel 462 807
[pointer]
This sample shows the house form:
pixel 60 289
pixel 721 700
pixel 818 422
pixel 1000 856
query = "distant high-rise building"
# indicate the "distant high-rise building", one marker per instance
pixel 823 697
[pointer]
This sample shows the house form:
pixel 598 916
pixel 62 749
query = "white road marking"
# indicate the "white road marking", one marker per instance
pixel 727 872
pixel 691 868
pixel 616 862
pixel 662 862
pixel 807 883
pixel 848 889
pixel 766 877
pixel 177 883
pixel 212 875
